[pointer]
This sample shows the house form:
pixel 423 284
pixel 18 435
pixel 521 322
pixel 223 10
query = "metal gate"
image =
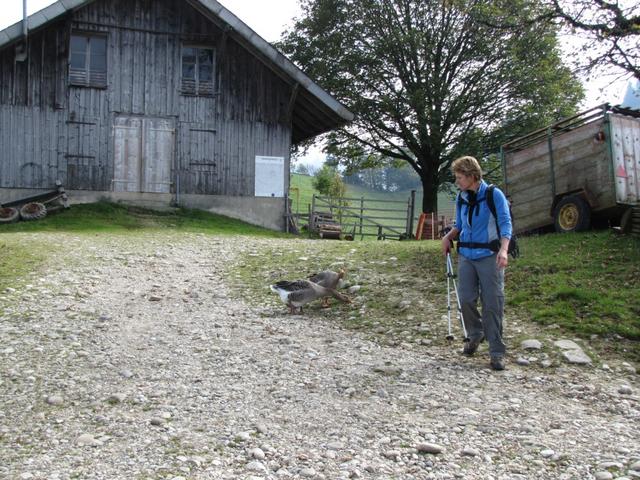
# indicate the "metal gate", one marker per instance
pixel 353 217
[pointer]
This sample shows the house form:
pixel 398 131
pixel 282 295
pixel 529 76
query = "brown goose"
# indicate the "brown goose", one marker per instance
pixel 300 292
pixel 327 279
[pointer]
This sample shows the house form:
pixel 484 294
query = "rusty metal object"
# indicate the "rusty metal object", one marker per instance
pixel 35 207
pixel 9 215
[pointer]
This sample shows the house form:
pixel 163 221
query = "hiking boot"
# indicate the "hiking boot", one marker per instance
pixel 471 346
pixel 497 362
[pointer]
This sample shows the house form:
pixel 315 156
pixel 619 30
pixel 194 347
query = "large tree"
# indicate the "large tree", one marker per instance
pixel 606 33
pixel 612 29
pixel 427 80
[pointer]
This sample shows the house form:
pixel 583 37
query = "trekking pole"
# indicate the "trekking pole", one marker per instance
pixel 455 288
pixel 449 335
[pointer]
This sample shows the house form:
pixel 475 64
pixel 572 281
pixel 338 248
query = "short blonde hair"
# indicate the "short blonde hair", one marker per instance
pixel 467 165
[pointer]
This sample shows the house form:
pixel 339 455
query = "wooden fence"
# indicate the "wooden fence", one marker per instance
pixel 350 218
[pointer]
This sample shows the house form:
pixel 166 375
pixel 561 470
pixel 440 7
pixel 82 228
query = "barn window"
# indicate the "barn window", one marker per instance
pixel 88 60
pixel 197 71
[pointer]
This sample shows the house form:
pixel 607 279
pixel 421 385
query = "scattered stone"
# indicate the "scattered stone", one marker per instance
pixel 116 398
pixel 317 401
pixel 604 475
pixel 404 305
pixel 256 466
pixel 157 421
pixel 257 453
pixel 243 437
pixel 547 453
pixel 567 345
pixel 262 428
pixel 55 400
pixel 531 344
pixel 307 472
pixel 627 367
pixel 429 448
pixel 625 390
pixel 87 440
pixel 470 452
pixel 576 356
pixel 154 298
pixel 392 455
pixel 388 370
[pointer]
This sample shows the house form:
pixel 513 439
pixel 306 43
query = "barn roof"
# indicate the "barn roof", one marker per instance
pixel 314 111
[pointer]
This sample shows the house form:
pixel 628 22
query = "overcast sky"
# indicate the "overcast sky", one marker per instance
pixel 267 18
pixel 270 18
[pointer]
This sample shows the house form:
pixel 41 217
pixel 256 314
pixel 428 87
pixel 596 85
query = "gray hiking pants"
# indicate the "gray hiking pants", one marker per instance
pixel 482 278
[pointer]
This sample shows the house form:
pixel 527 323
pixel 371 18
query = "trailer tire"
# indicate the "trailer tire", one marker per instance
pixel 9 215
pixel 33 211
pixel 572 214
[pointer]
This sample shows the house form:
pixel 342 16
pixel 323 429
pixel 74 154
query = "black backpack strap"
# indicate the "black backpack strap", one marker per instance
pixel 494 245
pixel 492 206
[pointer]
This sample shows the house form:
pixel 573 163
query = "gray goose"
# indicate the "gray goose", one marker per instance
pixel 300 292
pixel 327 279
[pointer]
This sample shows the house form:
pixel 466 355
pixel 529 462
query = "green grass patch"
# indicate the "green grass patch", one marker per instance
pixel 587 283
pixel 105 217
pixel 17 260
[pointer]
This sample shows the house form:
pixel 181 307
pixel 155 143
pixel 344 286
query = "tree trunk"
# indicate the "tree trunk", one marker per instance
pixel 429 191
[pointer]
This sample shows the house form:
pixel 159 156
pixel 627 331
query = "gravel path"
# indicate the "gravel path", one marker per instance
pixel 128 358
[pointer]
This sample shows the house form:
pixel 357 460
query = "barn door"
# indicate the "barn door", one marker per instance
pixel 127 154
pixel 143 154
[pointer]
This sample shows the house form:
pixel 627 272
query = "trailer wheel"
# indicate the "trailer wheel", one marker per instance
pixel 572 214
pixel 9 215
pixel 33 211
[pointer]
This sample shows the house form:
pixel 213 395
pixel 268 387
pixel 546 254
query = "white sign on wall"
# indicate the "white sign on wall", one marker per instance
pixel 269 176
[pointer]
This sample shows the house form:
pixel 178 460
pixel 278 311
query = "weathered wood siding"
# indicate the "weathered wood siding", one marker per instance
pixel 580 162
pixel 50 130
pixel 31 142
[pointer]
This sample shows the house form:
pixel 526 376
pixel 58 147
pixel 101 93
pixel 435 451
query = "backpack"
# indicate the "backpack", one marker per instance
pixel 494 246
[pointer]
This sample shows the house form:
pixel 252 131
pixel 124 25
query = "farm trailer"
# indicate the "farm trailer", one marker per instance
pixel 581 167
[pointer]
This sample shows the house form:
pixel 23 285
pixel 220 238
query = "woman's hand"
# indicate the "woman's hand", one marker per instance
pixel 447 242
pixel 502 259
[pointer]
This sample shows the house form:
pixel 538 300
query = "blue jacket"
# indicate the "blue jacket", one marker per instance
pixel 482 228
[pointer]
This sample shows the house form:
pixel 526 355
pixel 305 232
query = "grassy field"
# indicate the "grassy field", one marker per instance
pixel 116 218
pixel 580 284
pixel 302 191
pixel 584 285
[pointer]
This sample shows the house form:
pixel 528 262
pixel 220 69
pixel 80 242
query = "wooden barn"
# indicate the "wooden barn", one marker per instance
pixel 153 102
